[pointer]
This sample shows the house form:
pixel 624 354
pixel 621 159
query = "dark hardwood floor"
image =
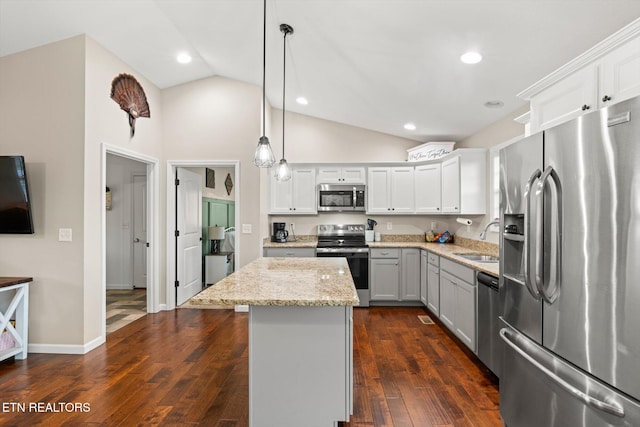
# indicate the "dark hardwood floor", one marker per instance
pixel 190 367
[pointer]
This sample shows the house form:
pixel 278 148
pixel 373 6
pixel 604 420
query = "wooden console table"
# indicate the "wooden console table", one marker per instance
pixel 19 306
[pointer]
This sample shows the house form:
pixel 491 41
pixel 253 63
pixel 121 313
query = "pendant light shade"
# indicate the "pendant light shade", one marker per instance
pixel 263 157
pixel 283 171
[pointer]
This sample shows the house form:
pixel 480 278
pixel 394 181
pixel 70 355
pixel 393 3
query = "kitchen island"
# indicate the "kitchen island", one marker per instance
pixel 300 338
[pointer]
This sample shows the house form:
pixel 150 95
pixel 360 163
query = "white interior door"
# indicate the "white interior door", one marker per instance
pixel 139 231
pixel 189 246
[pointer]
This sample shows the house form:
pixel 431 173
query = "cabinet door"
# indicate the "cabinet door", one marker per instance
pixel 428 188
pixel 353 175
pixel 281 195
pixel 448 296
pixel 384 280
pixel 378 190
pixel 304 191
pixel 424 265
pixel 565 100
pixel 410 275
pixel 433 289
pixel 289 252
pixel 451 185
pixel 465 320
pixel 329 175
pixel 620 73
pixel 402 190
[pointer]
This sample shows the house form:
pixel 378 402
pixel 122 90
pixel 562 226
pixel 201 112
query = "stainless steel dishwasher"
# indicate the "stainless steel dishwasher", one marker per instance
pixel 489 308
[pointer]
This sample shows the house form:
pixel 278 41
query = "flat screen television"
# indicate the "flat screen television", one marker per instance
pixel 15 204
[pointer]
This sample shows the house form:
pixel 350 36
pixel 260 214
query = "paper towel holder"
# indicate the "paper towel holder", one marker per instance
pixel 465 221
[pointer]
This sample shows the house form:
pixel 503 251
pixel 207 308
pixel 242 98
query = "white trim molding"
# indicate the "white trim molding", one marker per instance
pixel 618 38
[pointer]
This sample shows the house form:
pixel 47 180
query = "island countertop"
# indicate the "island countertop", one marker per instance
pixel 284 282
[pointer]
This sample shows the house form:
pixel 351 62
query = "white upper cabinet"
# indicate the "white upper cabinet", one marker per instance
pixel 606 74
pixel 341 175
pixel 451 185
pixel 620 73
pixel 464 182
pixel 428 181
pixel 295 196
pixel 390 190
pixel 569 98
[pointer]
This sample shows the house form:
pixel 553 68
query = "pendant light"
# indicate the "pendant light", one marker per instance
pixel 283 171
pixel 263 157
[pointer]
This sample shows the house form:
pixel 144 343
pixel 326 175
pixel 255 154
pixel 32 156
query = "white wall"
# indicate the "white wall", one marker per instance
pixel 119 220
pixel 42 108
pixel 220 191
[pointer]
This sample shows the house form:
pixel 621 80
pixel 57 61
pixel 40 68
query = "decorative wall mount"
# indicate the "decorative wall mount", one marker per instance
pixel 128 93
pixel 228 184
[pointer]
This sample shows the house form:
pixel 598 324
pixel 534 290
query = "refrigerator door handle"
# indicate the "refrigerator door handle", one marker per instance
pixel 529 280
pixel 608 405
pixel 549 292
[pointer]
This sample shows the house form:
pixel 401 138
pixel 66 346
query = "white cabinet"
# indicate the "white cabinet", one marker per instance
pixel 341 175
pixel 424 269
pixel 433 283
pixel 295 196
pixel 216 267
pixel 394 274
pixel 428 188
pixel 390 190
pixel 620 73
pixel 384 279
pixel 410 275
pixel 458 301
pixel 604 75
pixel 451 185
pixel 464 182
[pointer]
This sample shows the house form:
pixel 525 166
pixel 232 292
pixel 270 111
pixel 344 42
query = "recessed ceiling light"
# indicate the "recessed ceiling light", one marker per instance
pixel 471 58
pixel 494 104
pixel 409 126
pixel 183 58
pixel 302 100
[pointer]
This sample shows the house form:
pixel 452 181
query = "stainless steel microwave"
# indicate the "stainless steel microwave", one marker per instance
pixel 341 198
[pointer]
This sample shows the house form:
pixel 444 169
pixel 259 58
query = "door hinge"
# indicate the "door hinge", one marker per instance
pixel 177 181
pixel 176 283
pixel 147 244
pixel 177 233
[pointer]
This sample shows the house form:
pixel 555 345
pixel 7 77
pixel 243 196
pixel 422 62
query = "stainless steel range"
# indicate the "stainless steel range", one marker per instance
pixel 347 240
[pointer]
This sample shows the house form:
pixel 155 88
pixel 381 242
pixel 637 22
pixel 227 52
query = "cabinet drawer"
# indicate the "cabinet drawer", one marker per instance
pixel 433 259
pixel 289 252
pixel 458 270
pixel 385 253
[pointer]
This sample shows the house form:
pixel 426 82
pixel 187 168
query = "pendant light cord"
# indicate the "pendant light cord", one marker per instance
pixel 284 80
pixel 264 66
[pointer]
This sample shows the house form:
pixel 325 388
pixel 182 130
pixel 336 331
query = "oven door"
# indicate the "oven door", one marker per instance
pixel 359 267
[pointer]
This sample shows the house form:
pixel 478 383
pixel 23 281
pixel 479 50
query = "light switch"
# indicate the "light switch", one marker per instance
pixel 65 235
pixel 389 226
pixel 246 229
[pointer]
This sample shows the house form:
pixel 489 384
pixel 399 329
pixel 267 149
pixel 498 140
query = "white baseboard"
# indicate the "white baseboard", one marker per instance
pixel 162 307
pixel 242 308
pixel 114 286
pixel 66 348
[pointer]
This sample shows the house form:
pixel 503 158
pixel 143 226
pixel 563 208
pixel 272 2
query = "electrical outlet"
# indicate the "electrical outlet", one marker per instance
pixel 389 226
pixel 246 229
pixel 65 235
pixel 434 225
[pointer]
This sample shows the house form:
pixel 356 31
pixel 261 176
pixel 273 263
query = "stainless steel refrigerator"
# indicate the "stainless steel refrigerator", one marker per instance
pixel 570 273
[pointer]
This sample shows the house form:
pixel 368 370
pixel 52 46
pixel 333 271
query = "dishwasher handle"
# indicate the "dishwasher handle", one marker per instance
pixel 487 280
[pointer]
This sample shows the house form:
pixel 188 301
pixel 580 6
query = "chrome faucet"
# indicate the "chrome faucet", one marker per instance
pixel 483 235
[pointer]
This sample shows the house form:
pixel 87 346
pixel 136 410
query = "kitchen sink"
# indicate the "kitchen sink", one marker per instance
pixel 478 257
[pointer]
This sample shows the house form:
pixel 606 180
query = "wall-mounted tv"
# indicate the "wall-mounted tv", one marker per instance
pixel 15 204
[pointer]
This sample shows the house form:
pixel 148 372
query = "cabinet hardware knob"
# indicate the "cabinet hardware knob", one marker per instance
pixel 585 107
pixel 606 98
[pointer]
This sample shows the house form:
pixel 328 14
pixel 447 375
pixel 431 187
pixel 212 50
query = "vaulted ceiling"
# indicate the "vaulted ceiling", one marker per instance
pixel 376 64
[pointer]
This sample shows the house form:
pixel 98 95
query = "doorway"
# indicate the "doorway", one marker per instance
pixel 219 179
pixel 129 222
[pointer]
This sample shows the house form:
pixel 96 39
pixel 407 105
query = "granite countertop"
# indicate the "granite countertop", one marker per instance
pixel 284 282
pixel 299 243
pixel 447 250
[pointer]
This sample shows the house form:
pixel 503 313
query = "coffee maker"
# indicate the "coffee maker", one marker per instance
pixel 279 233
